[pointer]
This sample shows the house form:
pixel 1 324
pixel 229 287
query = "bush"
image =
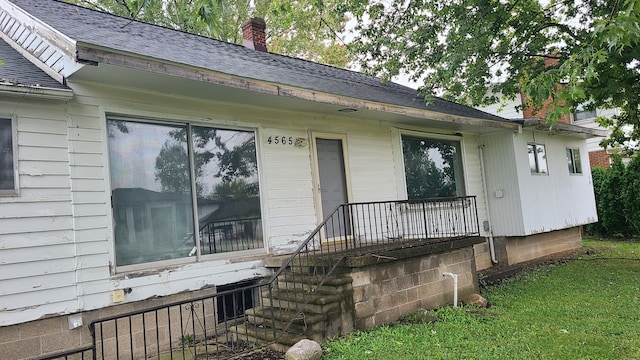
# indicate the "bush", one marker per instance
pixel 617 193
pixel 597 174
pixel 631 196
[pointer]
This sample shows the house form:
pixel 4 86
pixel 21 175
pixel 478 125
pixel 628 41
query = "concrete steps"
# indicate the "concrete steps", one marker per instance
pixel 303 304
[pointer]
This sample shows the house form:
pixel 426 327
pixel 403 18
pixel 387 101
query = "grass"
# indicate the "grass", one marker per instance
pixel 588 308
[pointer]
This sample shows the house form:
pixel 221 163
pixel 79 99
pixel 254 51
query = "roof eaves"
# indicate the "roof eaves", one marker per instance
pixel 562 128
pixel 88 53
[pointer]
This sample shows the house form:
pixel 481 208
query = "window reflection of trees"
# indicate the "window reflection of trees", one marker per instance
pixel 432 167
pixel 158 175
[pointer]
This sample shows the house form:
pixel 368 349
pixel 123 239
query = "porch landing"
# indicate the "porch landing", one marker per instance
pixel 387 282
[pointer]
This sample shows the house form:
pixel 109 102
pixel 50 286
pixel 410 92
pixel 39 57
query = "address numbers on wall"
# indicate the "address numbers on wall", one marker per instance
pixel 281 140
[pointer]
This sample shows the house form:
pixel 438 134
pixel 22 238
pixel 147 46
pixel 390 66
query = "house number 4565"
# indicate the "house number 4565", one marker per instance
pixel 284 140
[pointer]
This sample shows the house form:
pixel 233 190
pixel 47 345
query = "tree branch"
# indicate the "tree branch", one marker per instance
pixel 565 28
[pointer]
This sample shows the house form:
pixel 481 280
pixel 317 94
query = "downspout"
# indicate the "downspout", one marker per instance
pixel 492 249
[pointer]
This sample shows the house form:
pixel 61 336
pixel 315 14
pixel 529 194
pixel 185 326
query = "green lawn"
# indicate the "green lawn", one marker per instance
pixel 588 308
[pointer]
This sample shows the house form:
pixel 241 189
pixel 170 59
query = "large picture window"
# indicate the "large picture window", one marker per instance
pixel 8 156
pixel 163 174
pixel 433 167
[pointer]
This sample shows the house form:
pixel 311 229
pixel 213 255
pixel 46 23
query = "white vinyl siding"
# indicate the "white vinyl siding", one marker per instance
pixel 522 204
pixel 37 270
pixel 501 176
pixel 560 200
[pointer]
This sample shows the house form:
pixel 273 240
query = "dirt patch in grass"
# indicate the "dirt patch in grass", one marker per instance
pixel 496 274
pixel 263 354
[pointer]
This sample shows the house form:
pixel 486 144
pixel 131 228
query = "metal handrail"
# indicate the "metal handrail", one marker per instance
pixel 348 228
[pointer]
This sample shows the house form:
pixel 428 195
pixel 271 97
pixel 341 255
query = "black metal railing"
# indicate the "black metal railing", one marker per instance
pixel 377 223
pixel 231 235
pixel 279 309
pixel 83 353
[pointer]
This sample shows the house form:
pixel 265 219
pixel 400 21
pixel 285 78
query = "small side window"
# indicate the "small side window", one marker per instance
pixel 8 157
pixel 573 161
pixel 537 159
pixel 584 115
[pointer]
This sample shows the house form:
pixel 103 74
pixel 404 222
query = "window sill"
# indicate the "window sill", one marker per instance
pixel 153 268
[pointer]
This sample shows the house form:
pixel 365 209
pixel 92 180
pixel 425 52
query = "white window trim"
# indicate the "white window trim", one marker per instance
pixel 14 141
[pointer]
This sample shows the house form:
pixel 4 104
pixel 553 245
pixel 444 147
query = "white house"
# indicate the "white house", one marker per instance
pixel 140 162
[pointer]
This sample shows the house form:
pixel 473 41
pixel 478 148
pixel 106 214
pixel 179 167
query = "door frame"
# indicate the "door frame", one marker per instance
pixel 316 172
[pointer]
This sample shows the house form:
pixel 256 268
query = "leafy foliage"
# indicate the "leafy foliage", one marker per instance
pixel 238 189
pixel 617 192
pixel 631 196
pixel 234 164
pixel 598 175
pixel 305 28
pixel 486 51
pixel 425 178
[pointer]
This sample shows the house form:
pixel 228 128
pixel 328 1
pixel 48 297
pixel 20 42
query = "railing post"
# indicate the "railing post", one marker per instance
pixel 92 331
pixel 424 219
pixel 272 308
pixel 352 223
pixel 344 222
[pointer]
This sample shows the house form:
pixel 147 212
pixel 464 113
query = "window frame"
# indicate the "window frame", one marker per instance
pixel 571 161
pixel 189 125
pixel 432 136
pixel 536 160
pixel 14 148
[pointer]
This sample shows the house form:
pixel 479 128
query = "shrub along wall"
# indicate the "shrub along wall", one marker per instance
pixel 617 191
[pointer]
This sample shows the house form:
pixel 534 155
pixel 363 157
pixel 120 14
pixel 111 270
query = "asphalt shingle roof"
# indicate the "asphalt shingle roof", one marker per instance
pixel 16 70
pixel 112 32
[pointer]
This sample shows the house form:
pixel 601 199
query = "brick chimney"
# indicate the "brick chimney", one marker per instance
pixel 253 35
pixel 529 112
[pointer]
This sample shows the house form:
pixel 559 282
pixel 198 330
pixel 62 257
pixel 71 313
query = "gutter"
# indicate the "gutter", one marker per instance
pixel 561 128
pixel 7 89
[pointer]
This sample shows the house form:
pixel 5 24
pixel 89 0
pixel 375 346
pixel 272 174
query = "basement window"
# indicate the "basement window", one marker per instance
pixel 537 159
pixel 8 157
pixel 240 297
pixel 573 161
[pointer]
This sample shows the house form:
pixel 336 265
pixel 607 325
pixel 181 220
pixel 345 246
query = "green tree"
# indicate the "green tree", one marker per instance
pixel 473 50
pixel 304 28
pixel 631 195
pixel 425 179
pixel 237 189
pixel 611 200
pixel 598 175
pixel 172 168
pixel 235 166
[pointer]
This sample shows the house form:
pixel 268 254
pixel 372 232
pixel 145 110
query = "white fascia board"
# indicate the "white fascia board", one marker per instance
pixel 62 43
